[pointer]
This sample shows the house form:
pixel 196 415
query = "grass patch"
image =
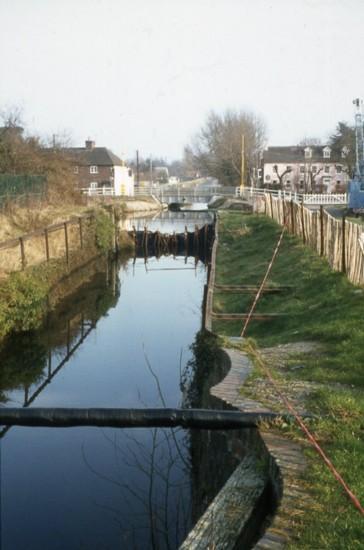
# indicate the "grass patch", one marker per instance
pixel 321 306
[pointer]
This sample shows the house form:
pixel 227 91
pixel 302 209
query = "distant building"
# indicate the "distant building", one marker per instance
pixel 311 168
pixel 99 171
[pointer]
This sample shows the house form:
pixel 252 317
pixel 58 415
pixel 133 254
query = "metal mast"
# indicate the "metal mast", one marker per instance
pixel 359 138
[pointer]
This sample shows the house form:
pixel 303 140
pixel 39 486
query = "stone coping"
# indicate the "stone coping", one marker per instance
pixel 287 462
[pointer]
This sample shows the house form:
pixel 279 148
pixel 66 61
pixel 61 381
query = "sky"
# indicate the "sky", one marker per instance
pixel 144 74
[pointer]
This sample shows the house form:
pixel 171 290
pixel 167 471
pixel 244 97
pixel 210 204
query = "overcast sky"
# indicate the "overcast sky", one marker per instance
pixel 144 73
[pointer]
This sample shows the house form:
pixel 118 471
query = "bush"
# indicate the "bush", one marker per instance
pixel 104 231
pixel 22 303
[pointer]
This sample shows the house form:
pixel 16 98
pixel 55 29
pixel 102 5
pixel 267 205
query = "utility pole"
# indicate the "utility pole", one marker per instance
pixel 137 167
pixel 242 179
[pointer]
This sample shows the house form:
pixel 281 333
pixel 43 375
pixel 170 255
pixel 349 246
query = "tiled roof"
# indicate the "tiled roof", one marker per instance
pixel 97 156
pixel 296 154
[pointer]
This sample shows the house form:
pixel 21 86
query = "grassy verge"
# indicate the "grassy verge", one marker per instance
pixel 320 306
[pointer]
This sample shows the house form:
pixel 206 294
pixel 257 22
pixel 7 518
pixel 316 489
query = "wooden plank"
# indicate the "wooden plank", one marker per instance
pixel 9 243
pixel 251 289
pixel 66 241
pixel 243 316
pixel 46 243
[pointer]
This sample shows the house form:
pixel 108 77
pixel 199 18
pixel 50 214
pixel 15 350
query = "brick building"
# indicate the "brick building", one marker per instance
pixel 98 170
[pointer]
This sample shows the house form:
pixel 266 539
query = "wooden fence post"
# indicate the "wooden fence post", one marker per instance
pixel 22 252
pixel 46 243
pixel 321 230
pixel 343 259
pixel 271 204
pixel 80 229
pixel 303 223
pixel 66 241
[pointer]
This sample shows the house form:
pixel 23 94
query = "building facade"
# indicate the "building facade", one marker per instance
pixel 98 170
pixel 308 169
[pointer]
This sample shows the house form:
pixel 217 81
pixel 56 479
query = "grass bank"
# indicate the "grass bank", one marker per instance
pixel 323 308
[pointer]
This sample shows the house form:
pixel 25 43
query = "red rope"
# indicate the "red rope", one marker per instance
pixel 289 405
pixel 247 321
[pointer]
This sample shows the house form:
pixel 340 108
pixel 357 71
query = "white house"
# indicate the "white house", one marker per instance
pixel 309 168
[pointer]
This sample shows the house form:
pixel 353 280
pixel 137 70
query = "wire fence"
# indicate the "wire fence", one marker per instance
pixel 22 191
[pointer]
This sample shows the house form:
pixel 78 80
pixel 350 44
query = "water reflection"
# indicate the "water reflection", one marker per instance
pixel 124 339
pixel 167 222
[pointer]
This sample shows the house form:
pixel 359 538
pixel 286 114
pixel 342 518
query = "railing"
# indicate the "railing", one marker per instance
pixel 306 198
pixel 179 192
pixel 325 198
pixel 93 191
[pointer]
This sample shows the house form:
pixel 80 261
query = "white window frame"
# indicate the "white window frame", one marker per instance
pixel 75 169
pixel 94 169
pixel 327 169
pixel 308 153
pixel 327 152
pixel 93 185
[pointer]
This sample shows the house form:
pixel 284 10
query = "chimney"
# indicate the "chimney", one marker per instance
pixel 89 144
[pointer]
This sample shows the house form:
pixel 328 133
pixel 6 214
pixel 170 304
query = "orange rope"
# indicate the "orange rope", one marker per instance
pixel 289 405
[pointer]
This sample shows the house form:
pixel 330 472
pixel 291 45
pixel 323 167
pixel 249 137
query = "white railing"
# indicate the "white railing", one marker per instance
pixel 93 191
pixel 307 198
pixel 325 198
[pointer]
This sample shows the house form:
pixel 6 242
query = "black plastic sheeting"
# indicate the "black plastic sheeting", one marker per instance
pixel 131 418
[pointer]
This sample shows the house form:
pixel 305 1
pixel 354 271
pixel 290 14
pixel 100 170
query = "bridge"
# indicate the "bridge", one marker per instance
pixel 203 193
pixel 186 193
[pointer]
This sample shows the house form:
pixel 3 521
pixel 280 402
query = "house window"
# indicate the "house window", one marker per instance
pixel 339 169
pixel 327 152
pixel 288 168
pixel 308 152
pixel 75 169
pixel 267 177
pixel 301 183
pixel 93 185
pixel 302 169
pixel 94 170
pixel 314 169
pixel 327 169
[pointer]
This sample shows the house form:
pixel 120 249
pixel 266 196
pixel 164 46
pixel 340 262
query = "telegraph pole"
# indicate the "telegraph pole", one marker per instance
pixel 242 179
pixel 150 170
pixel 137 167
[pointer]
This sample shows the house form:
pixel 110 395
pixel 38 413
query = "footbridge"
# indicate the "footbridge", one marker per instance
pixel 204 193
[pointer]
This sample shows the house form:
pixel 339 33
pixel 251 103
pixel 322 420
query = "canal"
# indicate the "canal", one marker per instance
pixel 129 337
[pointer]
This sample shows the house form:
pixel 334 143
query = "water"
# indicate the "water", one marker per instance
pixel 122 340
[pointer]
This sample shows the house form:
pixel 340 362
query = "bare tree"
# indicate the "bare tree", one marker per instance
pixel 27 155
pixel 217 149
pixel 281 176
